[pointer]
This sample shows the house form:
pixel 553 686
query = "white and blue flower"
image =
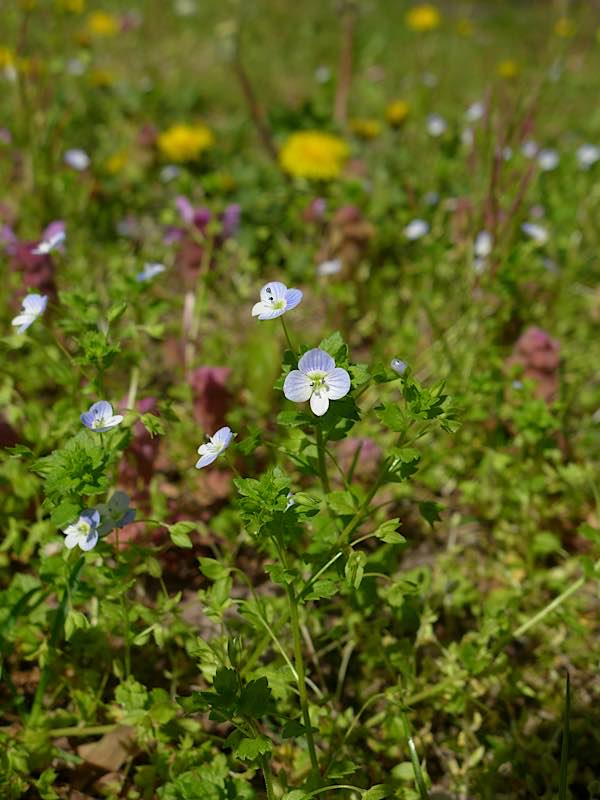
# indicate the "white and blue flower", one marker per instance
pixel 216 444
pixel 275 300
pixel 151 270
pixel 317 379
pixel 34 306
pixel 83 532
pixel 100 417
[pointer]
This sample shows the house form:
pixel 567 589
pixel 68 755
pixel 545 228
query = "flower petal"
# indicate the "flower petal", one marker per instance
pixel 338 383
pixel 223 436
pixel 319 403
pixel 292 298
pixel 317 360
pixel 297 386
pixel 71 540
pixel 101 409
pixel 275 290
pixel 271 313
pixel 90 541
pixel 206 459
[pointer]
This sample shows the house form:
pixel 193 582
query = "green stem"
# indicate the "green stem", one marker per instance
pixel 268 776
pixel 321 455
pixel 94 730
pixel 299 660
pixel 287 335
pixel 125 610
pixel 57 626
pixel 574 587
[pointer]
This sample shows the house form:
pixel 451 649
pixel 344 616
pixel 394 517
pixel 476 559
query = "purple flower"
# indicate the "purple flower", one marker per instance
pixel 100 417
pixel 275 300
pixel 317 379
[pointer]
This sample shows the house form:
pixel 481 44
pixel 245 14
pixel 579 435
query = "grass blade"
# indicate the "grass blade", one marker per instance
pixel 414 757
pixel 564 751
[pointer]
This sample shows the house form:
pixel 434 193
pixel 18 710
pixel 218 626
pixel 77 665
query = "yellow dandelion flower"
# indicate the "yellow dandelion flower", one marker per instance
pixel 508 69
pixel 565 28
pixel 185 142
pixel 101 24
pixel 7 58
pixel 396 112
pixel 424 17
pixel 313 154
pixel 365 128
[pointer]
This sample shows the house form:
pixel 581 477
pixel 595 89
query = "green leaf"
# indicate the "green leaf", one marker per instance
pixel 250 749
pixel 342 768
pixel 153 424
pixel 393 417
pixel 65 513
pixel 377 792
pixel 179 533
pixel 226 682
pixel 295 794
pixel 292 729
pixel 324 587
pixel 430 511
pixel 387 532
pixel 342 503
pixel 73 621
pixel 116 310
pixel 335 346
pixel 256 699
pixel 213 569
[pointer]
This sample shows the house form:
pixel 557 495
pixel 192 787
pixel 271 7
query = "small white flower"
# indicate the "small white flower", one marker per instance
pixel 416 229
pixel 77 159
pixel 398 366
pixel 436 125
pixel 529 149
pixel 34 306
pixel 47 245
pixel 535 232
pixel 317 379
pixel 151 270
pixel 483 244
pixel 83 532
pixel 275 300
pixel 331 267
pixel 100 417
pixel 290 501
pixel 214 447
pixel 475 111
pixel 169 172
pixel 548 159
pixel 587 155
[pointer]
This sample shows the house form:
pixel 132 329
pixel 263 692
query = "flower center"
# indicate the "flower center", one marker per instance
pixel 278 304
pixel 99 422
pixel 83 528
pixel 318 381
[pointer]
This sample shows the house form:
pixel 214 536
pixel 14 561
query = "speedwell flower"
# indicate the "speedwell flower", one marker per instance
pixel 115 514
pixel 151 270
pixel 100 417
pixel 77 159
pixel 587 155
pixel 436 125
pixel 84 531
pixel 50 241
pixel 214 447
pixel 34 306
pixel 416 229
pixel 317 379
pixel 275 300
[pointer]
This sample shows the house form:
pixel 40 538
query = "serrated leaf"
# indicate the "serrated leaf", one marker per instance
pixel 250 749
pixel 65 513
pixel 430 511
pixel 324 587
pixel 255 698
pixel 342 503
pixel 153 424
